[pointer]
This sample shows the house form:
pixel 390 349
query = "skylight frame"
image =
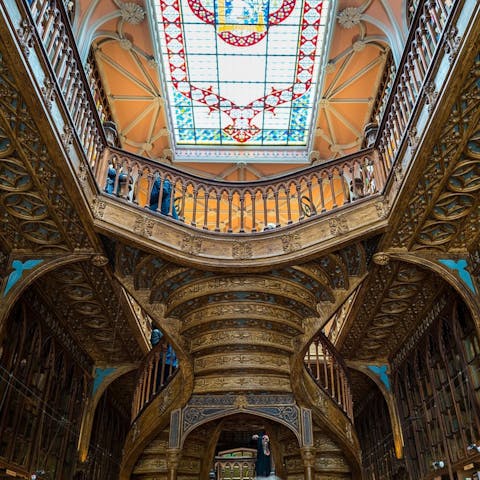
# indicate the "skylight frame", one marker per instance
pixel 244 152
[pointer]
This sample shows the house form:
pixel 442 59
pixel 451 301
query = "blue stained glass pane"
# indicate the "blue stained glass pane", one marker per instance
pixel 186 136
pixel 241 15
pixel 208 135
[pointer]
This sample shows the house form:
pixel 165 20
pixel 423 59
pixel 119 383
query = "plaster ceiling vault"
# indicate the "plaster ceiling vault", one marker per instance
pixel 119 35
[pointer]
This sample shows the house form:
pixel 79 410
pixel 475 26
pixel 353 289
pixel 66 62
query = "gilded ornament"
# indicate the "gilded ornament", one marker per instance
pixel 241 250
pixel 48 92
pixel 99 260
pixel 381 258
pixel 291 242
pixel 191 244
pixel 338 225
pixel 25 36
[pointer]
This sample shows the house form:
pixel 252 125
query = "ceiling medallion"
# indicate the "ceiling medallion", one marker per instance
pixel 132 13
pixel 349 17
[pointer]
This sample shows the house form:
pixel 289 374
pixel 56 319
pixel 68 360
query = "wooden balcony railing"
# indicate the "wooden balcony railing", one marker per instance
pixel 330 372
pixel 238 207
pixel 53 27
pixel 156 371
pixel 235 468
pixel 422 46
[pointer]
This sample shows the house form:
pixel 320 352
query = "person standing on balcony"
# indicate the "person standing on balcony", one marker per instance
pixel 167 198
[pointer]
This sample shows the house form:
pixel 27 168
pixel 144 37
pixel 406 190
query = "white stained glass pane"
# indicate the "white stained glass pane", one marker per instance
pixel 240 72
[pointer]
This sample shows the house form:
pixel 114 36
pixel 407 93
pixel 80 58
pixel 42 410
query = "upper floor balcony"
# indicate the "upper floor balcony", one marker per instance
pixel 404 111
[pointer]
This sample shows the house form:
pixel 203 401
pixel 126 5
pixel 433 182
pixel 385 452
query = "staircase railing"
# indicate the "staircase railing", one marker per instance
pixel 329 371
pixel 236 207
pixel 53 28
pixel 422 47
pixel 155 373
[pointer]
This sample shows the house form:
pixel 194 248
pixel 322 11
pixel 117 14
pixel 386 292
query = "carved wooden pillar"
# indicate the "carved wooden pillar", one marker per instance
pixel 173 460
pixel 308 457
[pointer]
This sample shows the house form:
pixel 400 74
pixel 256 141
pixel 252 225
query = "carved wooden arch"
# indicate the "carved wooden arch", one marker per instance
pixel 227 412
pixel 47 264
pixel 91 406
pixel 391 404
pixel 431 263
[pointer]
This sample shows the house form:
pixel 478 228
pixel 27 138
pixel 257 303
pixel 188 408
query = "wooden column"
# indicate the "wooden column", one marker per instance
pixel 308 457
pixel 173 460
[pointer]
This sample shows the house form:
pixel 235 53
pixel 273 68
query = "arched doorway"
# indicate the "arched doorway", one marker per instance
pixel 229 452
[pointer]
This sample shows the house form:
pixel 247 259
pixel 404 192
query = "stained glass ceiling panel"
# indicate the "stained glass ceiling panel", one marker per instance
pixel 241 75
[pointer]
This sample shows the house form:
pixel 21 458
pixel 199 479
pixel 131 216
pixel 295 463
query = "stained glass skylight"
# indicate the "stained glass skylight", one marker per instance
pixel 241 75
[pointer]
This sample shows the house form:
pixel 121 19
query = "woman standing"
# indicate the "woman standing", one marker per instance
pixel 263 463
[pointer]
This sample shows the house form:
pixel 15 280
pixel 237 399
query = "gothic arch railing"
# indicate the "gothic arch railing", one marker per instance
pixel 329 371
pixel 233 208
pixel 156 371
pixel 238 207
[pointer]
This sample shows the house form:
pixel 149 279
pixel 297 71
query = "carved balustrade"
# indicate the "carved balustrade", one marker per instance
pixel 423 43
pixel 330 372
pixel 156 371
pixel 53 28
pixel 235 467
pixel 238 207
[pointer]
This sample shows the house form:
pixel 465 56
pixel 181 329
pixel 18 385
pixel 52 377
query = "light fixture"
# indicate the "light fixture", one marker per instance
pixel 438 464
pixel 474 448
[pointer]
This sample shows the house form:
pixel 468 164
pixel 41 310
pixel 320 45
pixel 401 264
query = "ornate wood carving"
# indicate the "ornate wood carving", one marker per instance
pixel 442 213
pixel 403 293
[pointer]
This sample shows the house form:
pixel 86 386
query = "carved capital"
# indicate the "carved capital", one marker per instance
pixel 173 458
pixel 308 456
